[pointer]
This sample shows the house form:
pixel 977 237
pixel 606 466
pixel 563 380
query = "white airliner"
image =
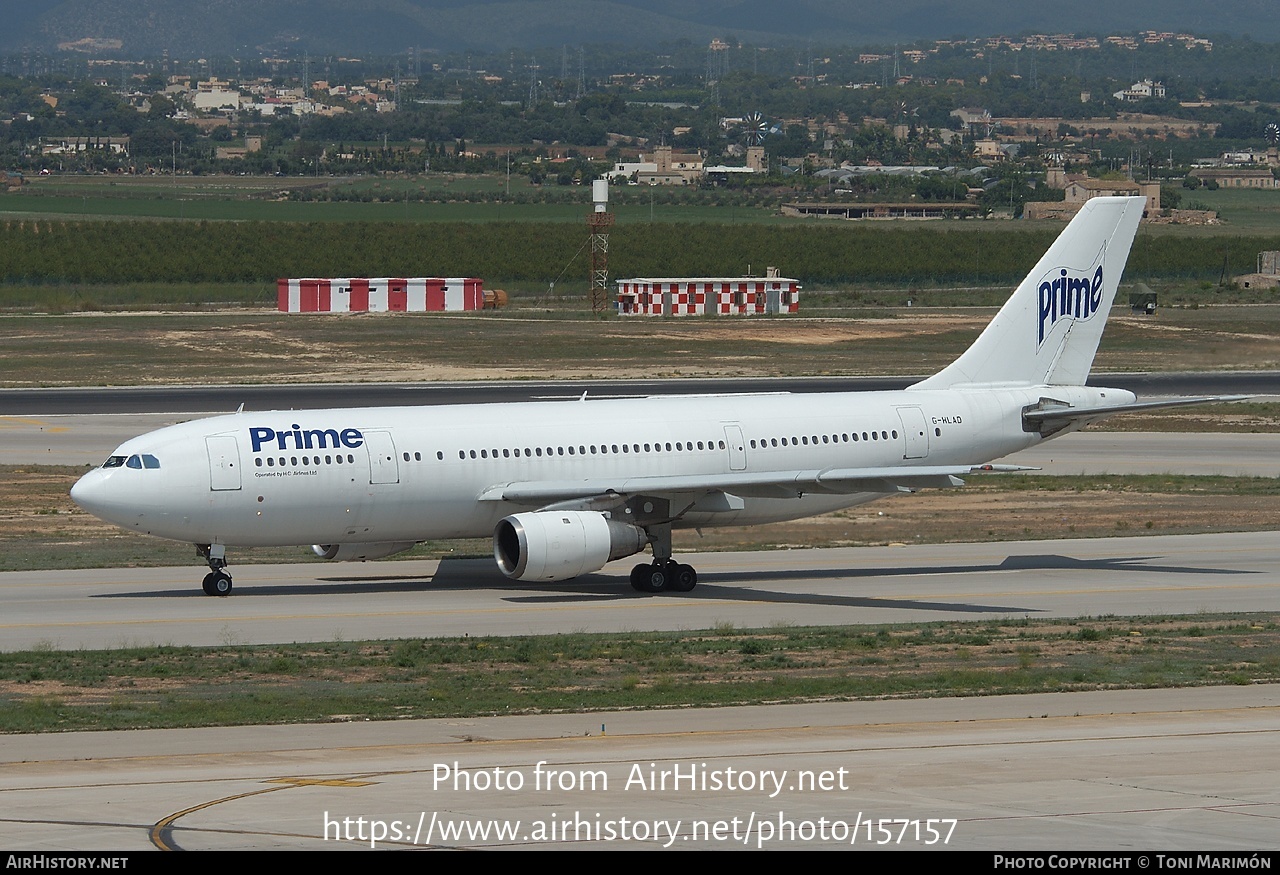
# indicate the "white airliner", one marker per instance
pixel 564 487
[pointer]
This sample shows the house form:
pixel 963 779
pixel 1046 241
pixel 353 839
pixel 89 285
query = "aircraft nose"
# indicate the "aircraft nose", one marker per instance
pixel 88 492
pixel 95 493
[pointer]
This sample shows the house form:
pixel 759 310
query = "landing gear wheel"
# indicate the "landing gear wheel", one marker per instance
pixel 684 578
pixel 217 583
pixel 657 577
pixel 653 578
pixel 638 578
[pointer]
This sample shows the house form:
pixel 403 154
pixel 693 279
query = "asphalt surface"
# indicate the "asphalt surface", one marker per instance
pixel 313 601
pixel 225 399
pixel 1188 772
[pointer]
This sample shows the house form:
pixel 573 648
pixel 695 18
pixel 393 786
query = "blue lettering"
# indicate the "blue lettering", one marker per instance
pixel 311 439
pixel 259 436
pixel 1046 298
pixel 1067 297
pixel 316 439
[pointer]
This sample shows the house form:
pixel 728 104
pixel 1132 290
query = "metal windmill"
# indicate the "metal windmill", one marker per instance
pixel 756 128
pixel 1271 133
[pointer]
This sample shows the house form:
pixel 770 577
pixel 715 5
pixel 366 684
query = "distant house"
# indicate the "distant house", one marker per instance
pixel 216 99
pixel 990 150
pixel 1238 177
pixel 1140 91
pixel 1081 190
pixel 972 116
pixel 65 145
pixel 672 168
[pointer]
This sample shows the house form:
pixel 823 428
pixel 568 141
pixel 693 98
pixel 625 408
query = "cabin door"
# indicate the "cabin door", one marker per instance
pixel 915 433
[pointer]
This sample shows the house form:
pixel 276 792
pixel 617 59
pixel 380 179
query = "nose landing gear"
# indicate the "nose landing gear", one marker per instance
pixel 217 582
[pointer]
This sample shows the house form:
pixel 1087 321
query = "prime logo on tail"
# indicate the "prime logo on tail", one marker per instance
pixel 1064 295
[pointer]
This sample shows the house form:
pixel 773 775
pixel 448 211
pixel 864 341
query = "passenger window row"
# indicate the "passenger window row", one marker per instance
pixel 590 450
pixel 306 461
pixel 814 440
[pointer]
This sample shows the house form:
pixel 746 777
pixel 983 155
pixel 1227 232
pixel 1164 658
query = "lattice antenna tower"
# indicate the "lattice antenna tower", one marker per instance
pixel 600 221
pixel 716 53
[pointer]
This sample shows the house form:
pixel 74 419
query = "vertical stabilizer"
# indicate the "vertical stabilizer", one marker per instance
pixel 1048 331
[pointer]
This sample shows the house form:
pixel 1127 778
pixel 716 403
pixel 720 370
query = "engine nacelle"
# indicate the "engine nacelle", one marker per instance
pixel 360 552
pixel 557 545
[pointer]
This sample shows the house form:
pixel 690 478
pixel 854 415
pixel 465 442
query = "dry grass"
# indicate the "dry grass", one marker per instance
pixel 254 346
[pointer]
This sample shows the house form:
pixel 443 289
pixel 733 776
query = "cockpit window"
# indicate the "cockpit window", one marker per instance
pixel 137 460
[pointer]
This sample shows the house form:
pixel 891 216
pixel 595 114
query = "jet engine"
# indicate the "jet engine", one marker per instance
pixel 360 552
pixel 558 545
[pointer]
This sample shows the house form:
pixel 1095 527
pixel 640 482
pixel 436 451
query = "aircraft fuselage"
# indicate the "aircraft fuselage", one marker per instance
pixel 410 474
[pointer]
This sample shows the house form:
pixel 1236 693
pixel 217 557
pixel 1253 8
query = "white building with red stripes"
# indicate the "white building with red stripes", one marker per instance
pixel 379 295
pixel 697 296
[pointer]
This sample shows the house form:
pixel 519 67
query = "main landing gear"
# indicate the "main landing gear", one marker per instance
pixel 664 576
pixel 217 581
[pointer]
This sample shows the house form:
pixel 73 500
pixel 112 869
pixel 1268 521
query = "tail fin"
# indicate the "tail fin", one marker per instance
pixel 1048 331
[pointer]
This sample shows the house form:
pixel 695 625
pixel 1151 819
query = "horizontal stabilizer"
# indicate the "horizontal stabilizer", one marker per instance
pixel 1049 418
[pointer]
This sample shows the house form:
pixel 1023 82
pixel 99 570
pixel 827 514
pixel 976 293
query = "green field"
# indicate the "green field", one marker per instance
pixel 1242 211
pixel 232 198
pixel 267 199
pixel 181 208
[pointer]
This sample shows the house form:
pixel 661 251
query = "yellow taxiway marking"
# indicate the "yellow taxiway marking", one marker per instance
pixel 160 831
pixel 21 422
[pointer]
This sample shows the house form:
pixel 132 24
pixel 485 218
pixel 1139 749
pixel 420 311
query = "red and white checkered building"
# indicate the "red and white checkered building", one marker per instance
pixel 697 296
pixel 379 295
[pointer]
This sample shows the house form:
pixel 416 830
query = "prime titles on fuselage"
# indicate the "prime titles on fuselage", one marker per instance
pixel 304 439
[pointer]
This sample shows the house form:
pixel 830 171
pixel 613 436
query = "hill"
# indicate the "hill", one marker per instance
pixel 243 27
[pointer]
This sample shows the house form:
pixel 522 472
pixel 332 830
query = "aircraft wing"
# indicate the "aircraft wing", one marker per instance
pixel 769 484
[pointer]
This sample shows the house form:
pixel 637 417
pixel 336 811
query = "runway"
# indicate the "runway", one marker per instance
pixel 1194 770
pixel 104 608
